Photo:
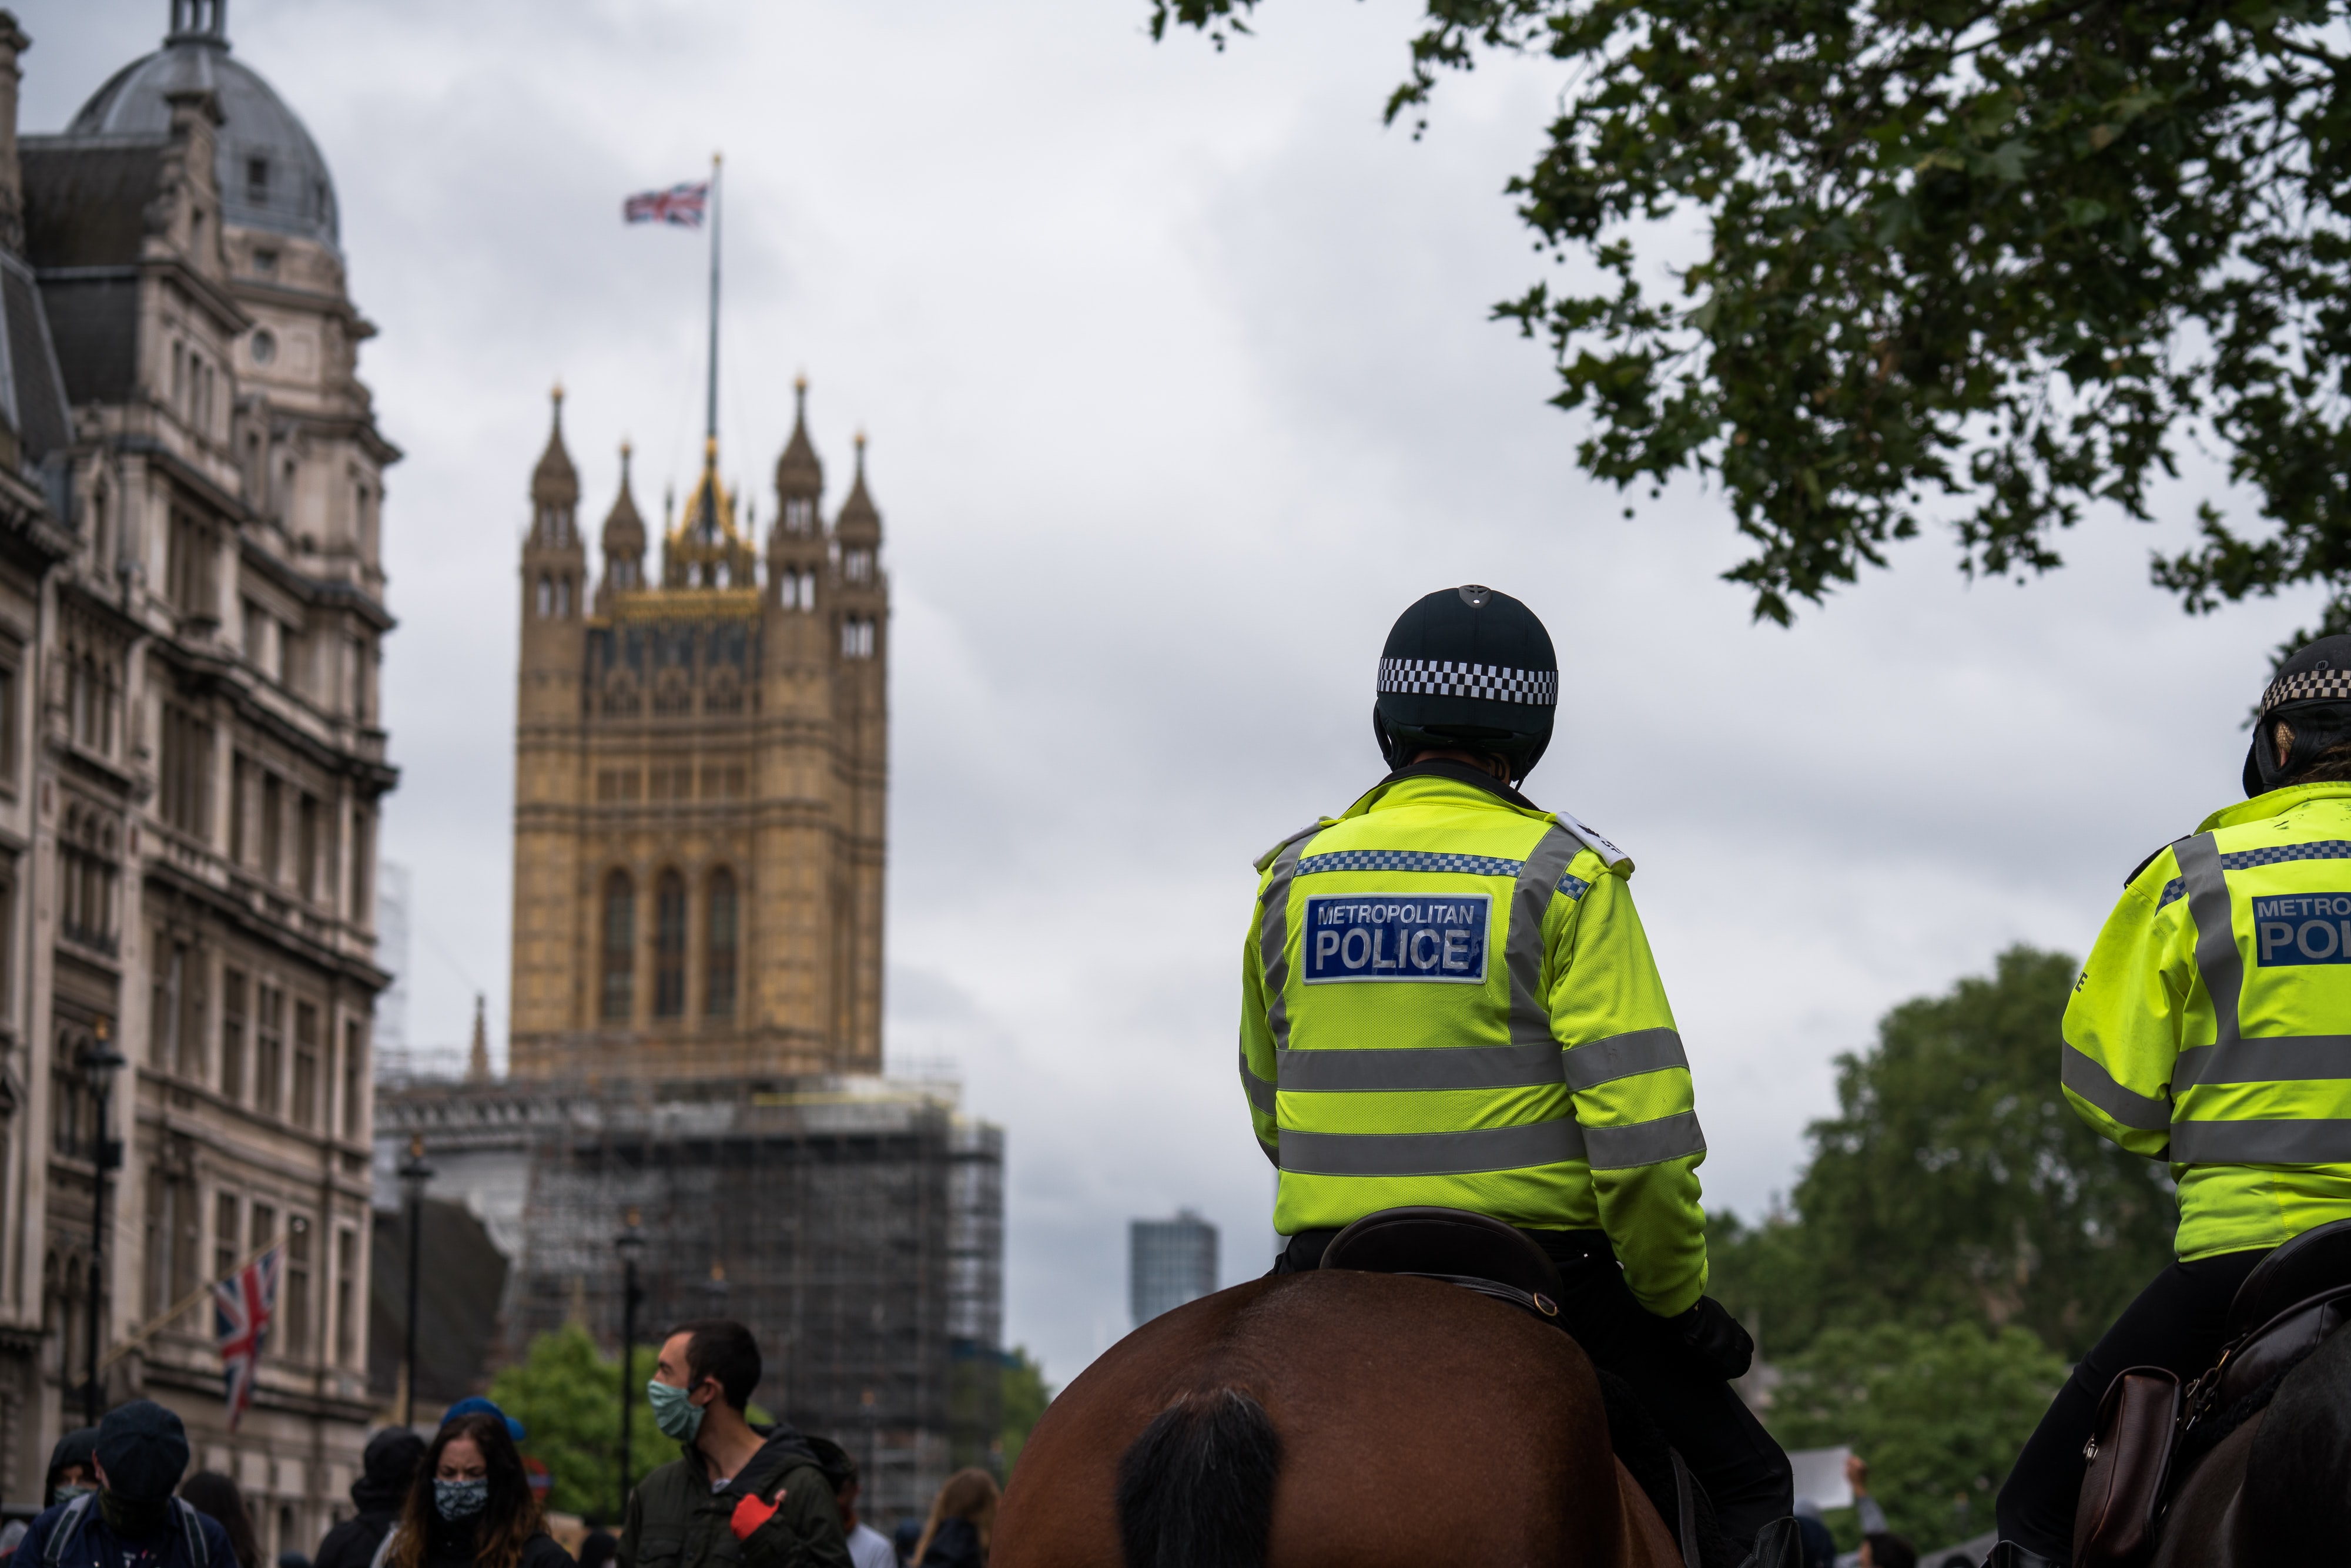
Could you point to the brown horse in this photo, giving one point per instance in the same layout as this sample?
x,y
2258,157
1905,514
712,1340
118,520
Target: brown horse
x,y
2277,1489
1331,1418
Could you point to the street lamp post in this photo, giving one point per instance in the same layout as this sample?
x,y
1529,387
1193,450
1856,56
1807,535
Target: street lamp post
x,y
630,1245
414,1176
99,1062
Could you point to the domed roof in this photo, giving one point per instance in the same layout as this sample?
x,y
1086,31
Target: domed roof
x,y
271,176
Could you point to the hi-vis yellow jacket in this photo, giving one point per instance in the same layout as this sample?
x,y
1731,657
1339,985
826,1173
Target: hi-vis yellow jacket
x,y
2212,1025
1448,1000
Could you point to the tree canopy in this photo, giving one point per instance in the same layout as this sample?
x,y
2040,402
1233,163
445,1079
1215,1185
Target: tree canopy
x,y
1955,1185
1992,262
1940,1413
567,1394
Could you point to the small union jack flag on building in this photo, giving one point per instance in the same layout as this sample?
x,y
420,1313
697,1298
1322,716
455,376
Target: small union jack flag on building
x,y
680,204
243,1306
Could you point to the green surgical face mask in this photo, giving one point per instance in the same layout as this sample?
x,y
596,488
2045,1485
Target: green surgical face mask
x,y
674,1411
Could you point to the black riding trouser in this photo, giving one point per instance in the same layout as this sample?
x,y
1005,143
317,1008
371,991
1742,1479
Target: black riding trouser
x,y
1744,1472
2175,1323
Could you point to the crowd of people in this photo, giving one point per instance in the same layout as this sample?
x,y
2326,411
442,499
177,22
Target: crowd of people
x,y
738,1496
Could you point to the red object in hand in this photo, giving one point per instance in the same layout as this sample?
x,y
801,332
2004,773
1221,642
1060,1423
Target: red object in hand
x,y
751,1513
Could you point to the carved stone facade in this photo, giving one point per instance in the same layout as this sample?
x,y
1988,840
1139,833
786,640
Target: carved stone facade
x,y
190,762
701,772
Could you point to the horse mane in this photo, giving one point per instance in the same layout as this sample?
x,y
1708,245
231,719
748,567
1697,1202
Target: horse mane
x,y
2293,1502
1195,1490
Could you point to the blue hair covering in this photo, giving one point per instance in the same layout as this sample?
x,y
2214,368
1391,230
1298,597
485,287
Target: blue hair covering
x,y
477,1405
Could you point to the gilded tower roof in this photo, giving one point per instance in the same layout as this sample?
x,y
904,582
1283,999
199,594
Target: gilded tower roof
x,y
706,550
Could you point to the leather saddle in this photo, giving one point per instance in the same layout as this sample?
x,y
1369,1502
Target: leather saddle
x,y
1490,1258
1471,1251
2290,1304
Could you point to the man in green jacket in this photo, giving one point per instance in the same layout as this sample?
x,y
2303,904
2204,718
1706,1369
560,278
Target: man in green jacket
x,y
740,1496
1448,1000
2208,1031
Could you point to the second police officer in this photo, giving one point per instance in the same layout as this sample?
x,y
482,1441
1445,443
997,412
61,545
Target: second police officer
x,y
1448,1000
2206,1030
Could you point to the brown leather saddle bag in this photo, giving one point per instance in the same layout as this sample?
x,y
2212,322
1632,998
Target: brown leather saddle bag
x,y
2288,1305
2130,1465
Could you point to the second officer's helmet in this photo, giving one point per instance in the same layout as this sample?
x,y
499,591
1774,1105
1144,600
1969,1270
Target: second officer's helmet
x,y
2310,694
1468,668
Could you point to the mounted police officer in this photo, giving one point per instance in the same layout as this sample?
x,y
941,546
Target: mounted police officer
x,y
1447,999
2208,1030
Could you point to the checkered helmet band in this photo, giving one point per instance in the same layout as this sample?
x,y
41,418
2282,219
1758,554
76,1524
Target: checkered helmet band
x,y
1456,678
2307,686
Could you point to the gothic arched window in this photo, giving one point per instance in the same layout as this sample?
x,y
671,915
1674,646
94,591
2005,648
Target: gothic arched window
x,y
619,947
546,598
718,969
669,945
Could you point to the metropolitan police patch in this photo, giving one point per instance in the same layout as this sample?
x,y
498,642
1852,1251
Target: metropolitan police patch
x,y
1397,936
2303,928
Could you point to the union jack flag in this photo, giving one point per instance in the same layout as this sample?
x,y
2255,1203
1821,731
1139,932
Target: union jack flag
x,y
680,204
243,1306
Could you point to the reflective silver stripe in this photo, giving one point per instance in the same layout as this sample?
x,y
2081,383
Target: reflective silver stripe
x,y
1621,1056
1273,939
1260,1092
1431,1154
2282,1058
1538,884
1429,1067
2093,1082
1644,1142
2218,957
2306,1143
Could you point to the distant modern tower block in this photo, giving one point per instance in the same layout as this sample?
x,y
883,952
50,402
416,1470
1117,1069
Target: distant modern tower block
x,y
1169,1262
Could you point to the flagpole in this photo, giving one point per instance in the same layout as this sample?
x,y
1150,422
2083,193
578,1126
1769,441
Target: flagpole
x,y
182,1305
710,419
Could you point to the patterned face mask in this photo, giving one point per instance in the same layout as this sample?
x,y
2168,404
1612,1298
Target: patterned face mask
x,y
461,1500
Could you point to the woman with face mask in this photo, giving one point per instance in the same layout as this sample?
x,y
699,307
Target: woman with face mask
x,y
471,1506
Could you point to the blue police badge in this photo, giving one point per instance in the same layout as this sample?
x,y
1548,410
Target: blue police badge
x,y
1397,936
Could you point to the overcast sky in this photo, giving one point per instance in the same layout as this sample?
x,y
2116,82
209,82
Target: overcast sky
x,y
1180,386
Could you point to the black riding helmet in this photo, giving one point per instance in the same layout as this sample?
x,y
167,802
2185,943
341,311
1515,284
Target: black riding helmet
x,y
1471,668
2311,692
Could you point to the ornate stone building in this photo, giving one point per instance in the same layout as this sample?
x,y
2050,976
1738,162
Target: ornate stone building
x,y
700,776
191,760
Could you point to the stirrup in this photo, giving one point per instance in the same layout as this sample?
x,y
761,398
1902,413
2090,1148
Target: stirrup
x,y
1778,1545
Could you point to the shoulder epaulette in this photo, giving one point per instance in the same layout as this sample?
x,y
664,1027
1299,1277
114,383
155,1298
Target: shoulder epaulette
x,y
1267,859
2151,858
1617,859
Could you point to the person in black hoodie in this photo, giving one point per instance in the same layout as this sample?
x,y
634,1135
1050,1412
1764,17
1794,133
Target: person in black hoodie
x,y
387,1473
470,1505
738,1496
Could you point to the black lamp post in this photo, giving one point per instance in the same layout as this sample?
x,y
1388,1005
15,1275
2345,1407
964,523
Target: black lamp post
x,y
630,1245
99,1062
414,1176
